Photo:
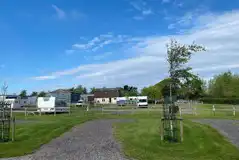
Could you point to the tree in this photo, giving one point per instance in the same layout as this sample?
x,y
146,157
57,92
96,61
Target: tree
x,y
34,94
224,85
178,57
92,90
23,93
128,91
80,90
42,94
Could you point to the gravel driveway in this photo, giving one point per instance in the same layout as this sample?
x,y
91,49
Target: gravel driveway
x,y
90,141
228,128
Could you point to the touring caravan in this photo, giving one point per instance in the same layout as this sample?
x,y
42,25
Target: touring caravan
x,y
51,105
142,101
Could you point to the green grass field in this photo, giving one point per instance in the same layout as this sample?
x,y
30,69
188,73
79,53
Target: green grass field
x,y
140,139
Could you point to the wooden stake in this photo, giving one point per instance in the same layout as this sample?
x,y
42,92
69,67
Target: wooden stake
x,y
161,130
13,128
181,129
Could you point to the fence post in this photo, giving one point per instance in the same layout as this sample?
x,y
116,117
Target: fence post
x,y
25,112
180,111
234,111
102,109
69,110
40,111
181,129
13,128
162,131
55,112
214,110
195,111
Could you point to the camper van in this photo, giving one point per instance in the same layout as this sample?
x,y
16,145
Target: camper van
x,y
142,101
51,105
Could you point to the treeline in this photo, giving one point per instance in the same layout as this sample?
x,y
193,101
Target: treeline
x,y
221,89
126,90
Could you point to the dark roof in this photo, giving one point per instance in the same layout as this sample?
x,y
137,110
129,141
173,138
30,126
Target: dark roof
x,y
106,93
61,91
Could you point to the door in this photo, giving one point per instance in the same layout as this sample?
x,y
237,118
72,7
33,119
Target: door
x,y
110,100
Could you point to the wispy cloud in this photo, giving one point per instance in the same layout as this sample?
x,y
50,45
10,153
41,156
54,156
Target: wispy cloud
x,y
59,12
148,65
142,7
102,56
72,14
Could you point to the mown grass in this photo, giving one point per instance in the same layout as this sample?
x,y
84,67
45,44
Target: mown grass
x,y
141,140
40,130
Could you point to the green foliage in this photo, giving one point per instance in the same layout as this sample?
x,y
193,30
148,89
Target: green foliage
x,y
34,94
80,90
178,57
127,91
23,93
210,100
92,90
224,85
42,94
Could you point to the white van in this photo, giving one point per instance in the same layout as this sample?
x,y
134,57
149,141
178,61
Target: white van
x,y
142,101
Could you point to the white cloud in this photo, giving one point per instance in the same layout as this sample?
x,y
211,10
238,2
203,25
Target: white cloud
x,y
72,14
44,78
142,7
219,33
59,12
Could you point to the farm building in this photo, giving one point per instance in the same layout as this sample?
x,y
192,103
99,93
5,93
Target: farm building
x,y
106,95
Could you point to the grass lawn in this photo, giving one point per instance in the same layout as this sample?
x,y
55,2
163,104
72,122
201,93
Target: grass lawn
x,y
30,136
141,140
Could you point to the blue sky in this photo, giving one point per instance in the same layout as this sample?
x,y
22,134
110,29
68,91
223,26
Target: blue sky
x,y
51,44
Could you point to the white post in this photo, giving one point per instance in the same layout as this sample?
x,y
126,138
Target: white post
x,y
55,112
195,111
234,111
180,111
25,112
213,109
87,108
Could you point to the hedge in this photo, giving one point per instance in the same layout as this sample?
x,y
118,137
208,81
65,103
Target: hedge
x,y
210,100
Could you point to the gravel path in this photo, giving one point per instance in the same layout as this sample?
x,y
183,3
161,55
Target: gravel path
x,y
228,128
90,141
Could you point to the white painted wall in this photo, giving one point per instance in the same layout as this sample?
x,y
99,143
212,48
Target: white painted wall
x,y
106,100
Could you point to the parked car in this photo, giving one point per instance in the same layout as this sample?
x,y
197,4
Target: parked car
x,y
80,103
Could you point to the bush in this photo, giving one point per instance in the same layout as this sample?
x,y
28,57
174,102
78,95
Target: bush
x,y
210,100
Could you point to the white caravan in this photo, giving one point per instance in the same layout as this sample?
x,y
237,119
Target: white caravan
x,y
142,101
51,105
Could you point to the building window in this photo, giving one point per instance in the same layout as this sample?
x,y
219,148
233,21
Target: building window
x,y
114,98
16,101
103,100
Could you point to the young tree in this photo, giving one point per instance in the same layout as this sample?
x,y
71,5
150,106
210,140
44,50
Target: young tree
x,y
23,93
178,57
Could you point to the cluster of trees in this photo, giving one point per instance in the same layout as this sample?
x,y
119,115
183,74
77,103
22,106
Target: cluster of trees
x,y
127,91
224,85
23,93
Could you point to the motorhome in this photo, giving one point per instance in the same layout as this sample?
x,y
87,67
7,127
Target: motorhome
x,y
51,105
121,101
142,101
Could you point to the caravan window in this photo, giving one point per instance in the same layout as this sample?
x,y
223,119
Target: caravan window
x,y
142,100
46,98
16,101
